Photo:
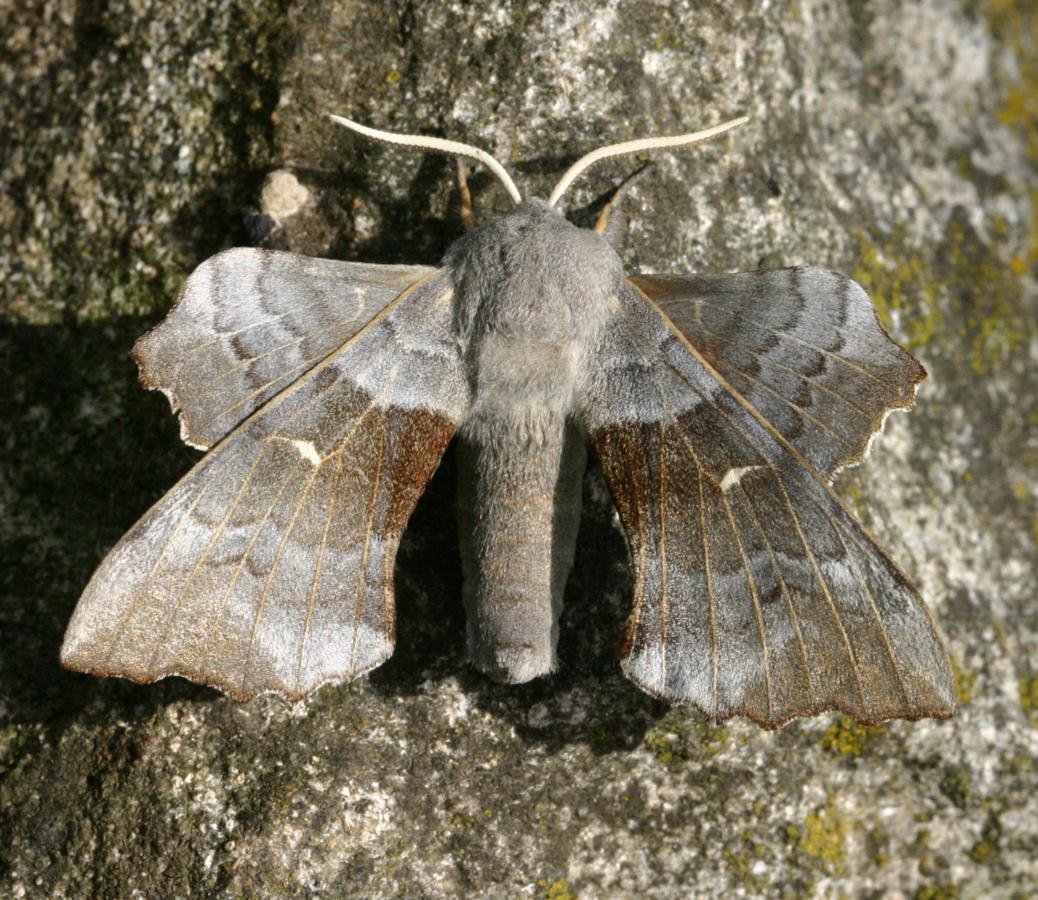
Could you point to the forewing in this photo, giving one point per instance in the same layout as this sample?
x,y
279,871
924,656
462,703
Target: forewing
x,y
803,346
269,567
755,592
250,322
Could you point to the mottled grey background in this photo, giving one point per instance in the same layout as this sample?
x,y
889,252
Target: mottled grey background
x,y
897,142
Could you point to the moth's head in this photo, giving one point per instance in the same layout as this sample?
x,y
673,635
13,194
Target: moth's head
x,y
532,251
454,148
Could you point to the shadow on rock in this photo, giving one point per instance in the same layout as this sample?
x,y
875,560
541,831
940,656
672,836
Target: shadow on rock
x,y
86,453
588,700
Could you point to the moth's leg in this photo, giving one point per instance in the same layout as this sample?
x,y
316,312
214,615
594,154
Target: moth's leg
x,y
467,217
611,227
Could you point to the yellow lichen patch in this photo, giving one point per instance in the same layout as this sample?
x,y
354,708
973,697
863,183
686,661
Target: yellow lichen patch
x,y
741,855
676,739
1014,24
1022,493
851,488
823,838
1029,697
463,820
556,890
961,285
877,843
964,680
902,286
956,784
1032,242
936,892
986,849
849,738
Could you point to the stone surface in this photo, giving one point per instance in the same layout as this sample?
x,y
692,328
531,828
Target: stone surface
x,y
895,141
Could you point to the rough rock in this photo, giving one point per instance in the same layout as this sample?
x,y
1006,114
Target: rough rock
x,y
897,142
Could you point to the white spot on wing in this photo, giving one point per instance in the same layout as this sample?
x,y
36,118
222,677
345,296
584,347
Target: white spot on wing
x,y
733,476
307,450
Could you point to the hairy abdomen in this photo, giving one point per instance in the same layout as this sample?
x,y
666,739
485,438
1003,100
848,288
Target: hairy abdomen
x,y
519,509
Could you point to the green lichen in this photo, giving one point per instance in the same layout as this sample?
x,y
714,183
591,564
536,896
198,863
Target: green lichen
x,y
556,890
964,681
957,785
877,842
677,739
744,851
849,738
1014,25
1022,491
462,820
903,289
852,489
940,891
959,292
822,839
1029,696
985,850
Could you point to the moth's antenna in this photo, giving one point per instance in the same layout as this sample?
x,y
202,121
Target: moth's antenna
x,y
637,146
439,144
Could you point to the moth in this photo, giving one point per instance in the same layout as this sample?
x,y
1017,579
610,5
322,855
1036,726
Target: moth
x,y
719,407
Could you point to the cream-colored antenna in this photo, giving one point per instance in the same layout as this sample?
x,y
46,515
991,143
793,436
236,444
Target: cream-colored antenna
x,y
439,144
637,146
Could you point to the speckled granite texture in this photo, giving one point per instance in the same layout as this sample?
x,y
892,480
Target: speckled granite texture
x,y
897,142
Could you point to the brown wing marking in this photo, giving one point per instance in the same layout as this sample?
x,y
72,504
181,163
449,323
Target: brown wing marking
x,y
269,567
803,346
249,322
813,547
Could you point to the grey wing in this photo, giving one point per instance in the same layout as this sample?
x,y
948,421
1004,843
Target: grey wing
x,y
250,322
755,592
803,345
269,567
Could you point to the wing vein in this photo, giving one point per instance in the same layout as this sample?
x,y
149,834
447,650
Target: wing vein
x,y
225,597
262,602
312,365
794,617
312,599
823,584
785,335
217,534
817,422
224,373
635,330
712,602
638,600
887,644
664,580
134,605
758,609
292,417
811,381
362,573
270,320
308,365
